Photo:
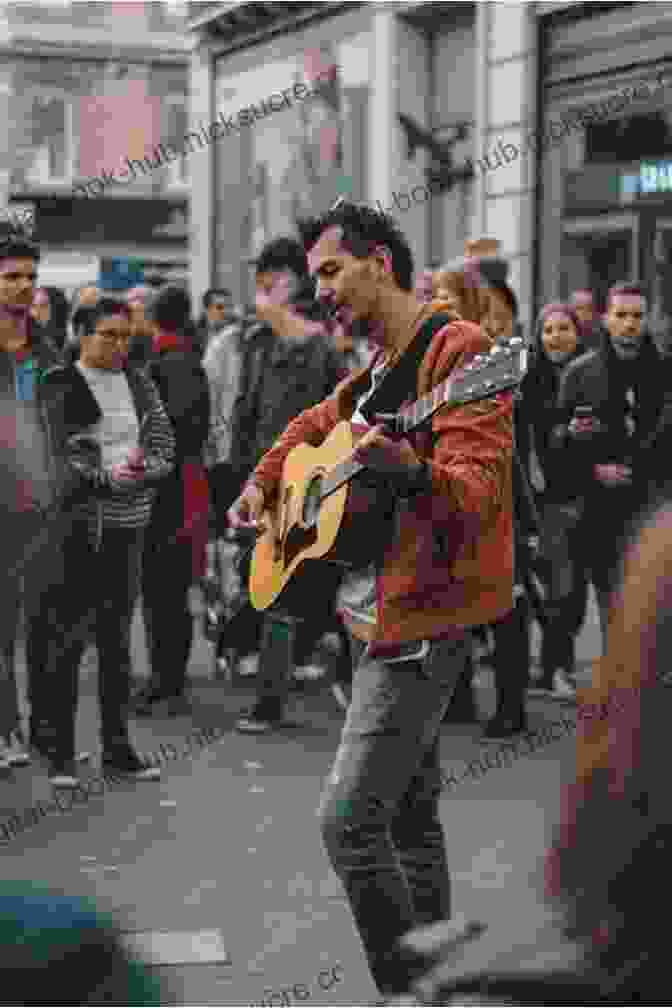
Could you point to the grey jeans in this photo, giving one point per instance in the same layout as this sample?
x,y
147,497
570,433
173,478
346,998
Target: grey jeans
x,y
379,809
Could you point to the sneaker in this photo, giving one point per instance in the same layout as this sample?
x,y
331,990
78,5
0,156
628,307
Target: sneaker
x,y
14,751
564,687
501,728
308,672
544,692
125,762
257,722
63,774
248,666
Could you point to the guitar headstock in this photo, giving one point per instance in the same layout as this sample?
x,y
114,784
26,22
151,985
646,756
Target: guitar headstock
x,y
487,374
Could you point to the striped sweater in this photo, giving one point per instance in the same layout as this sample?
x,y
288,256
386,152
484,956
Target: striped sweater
x,y
93,491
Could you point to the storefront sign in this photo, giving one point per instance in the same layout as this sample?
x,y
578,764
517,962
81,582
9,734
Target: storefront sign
x,y
127,222
656,177
602,186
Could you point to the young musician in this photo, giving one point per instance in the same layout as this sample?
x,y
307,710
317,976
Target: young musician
x,y
447,566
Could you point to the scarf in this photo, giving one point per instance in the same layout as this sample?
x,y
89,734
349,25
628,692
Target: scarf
x,y
196,505
195,496
164,341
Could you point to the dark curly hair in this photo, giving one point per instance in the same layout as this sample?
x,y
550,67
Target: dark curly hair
x,y
171,311
363,229
283,253
105,306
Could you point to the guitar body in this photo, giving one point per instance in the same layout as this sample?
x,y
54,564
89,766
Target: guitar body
x,y
347,529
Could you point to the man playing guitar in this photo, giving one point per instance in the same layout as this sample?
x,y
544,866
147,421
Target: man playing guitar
x,y
447,566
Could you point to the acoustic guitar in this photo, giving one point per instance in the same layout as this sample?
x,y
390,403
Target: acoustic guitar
x,y
322,513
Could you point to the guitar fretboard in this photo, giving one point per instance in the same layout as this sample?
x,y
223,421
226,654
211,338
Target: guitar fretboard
x,y
501,370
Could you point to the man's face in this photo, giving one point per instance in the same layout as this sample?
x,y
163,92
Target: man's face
x,y
275,287
584,307
345,282
218,311
107,347
625,319
17,282
559,337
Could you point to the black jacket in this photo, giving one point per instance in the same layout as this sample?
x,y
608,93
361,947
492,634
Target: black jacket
x,y
278,381
184,391
75,409
32,547
537,417
599,379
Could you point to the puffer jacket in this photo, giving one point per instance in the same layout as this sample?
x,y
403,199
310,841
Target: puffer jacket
x,y
451,561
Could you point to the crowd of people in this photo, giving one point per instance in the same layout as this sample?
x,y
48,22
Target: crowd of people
x,y
154,435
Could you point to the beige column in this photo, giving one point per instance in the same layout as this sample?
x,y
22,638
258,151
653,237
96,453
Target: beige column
x,y
201,173
383,107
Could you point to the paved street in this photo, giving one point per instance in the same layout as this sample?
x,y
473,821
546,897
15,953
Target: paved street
x,y
229,840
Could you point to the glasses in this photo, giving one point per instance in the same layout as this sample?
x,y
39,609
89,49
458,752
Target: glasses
x,y
109,337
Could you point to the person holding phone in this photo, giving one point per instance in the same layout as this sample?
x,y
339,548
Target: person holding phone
x,y
611,400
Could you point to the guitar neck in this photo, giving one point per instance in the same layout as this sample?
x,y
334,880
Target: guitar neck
x,y
408,419
500,371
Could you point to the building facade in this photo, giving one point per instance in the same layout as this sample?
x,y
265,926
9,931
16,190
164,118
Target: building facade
x,y
605,195
560,108
89,88
380,64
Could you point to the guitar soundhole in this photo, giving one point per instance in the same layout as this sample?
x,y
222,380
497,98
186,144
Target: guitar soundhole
x,y
311,501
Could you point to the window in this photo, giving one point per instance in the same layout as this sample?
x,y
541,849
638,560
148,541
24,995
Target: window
x,y
51,138
636,138
173,132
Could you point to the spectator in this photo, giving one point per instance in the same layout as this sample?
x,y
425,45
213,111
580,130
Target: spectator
x,y
557,343
289,365
26,353
142,331
85,299
222,363
116,439
511,656
177,534
590,326
51,308
217,314
621,385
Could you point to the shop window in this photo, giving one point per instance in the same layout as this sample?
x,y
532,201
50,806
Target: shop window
x,y
51,139
636,138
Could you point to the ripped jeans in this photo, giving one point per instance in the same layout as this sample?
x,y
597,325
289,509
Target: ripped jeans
x,y
379,809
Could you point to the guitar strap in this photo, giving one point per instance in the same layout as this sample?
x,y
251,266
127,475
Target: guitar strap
x,y
400,384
